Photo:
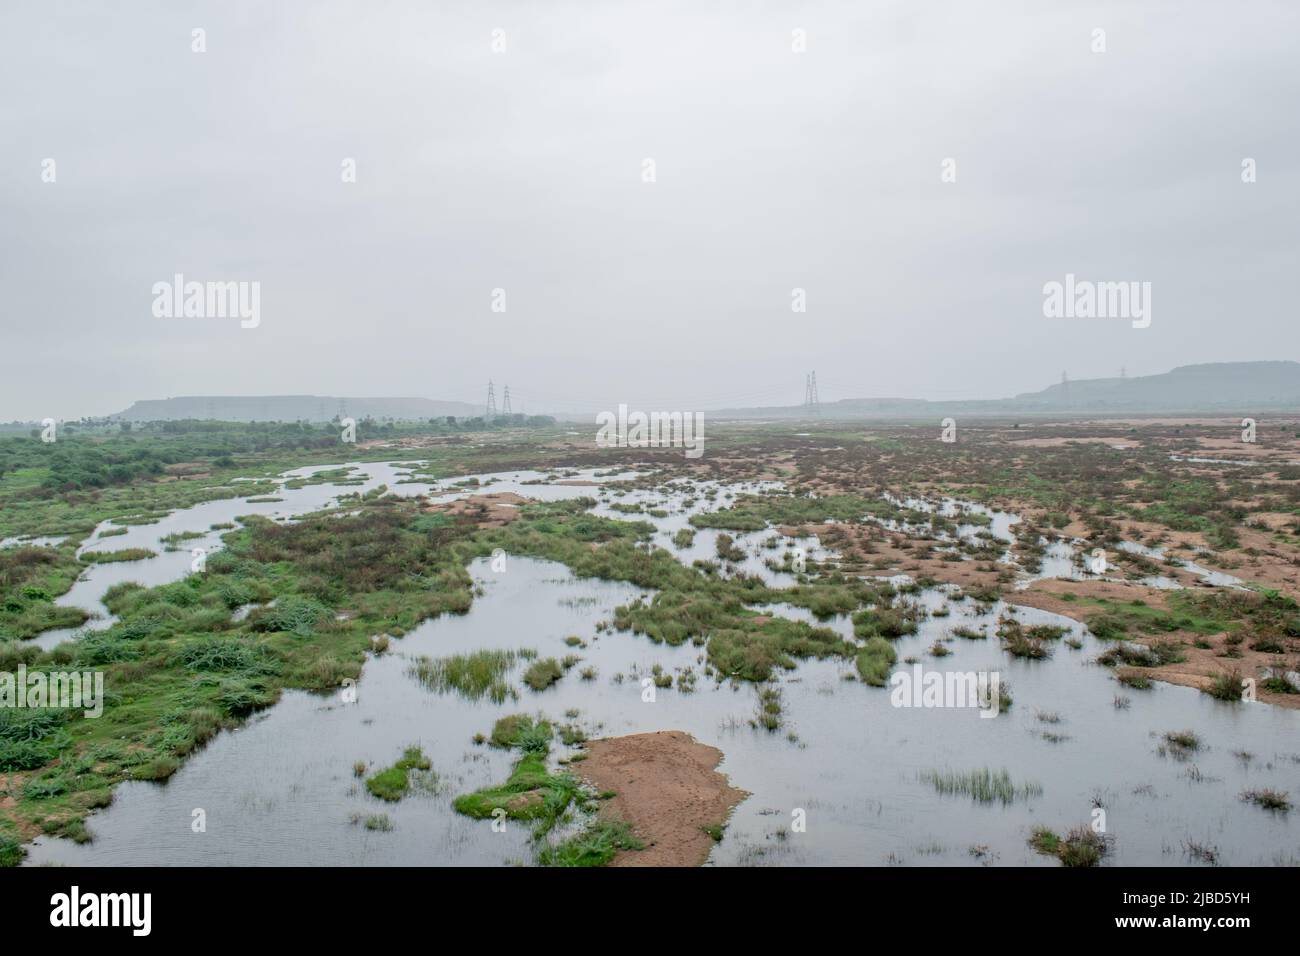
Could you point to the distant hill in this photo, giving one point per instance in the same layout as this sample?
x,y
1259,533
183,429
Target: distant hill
x,y
1222,387
1189,387
1218,387
292,408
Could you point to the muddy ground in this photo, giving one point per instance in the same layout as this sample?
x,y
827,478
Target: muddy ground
x,y
668,791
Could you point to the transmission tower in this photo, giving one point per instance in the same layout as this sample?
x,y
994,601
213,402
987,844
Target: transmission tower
x,y
810,400
492,401
505,402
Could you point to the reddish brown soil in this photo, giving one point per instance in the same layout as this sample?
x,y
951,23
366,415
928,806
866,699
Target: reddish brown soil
x,y
488,511
668,791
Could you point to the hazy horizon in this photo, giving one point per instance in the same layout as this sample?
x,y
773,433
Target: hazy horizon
x,y
522,170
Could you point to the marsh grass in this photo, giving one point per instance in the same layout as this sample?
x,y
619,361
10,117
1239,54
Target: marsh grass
x,y
11,851
1182,741
768,710
594,846
515,729
1134,679
227,654
292,614
874,661
124,554
531,792
474,676
983,785
1226,685
726,549
30,738
1081,847
1203,852
890,622
1276,800
542,673
1021,642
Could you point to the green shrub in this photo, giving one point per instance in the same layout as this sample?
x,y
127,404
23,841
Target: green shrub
x,y
875,660
11,851
541,674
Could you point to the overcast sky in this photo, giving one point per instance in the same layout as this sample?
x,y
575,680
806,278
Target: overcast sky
x,y
523,170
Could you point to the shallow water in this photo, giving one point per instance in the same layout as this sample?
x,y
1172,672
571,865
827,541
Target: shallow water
x,y
281,790
89,589
34,541
704,545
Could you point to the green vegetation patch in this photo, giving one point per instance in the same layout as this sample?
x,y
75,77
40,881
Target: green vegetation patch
x,y
887,621
178,668
394,782
473,676
594,846
30,579
1267,614
690,603
756,512
124,554
541,674
531,792
1081,847
875,660
535,795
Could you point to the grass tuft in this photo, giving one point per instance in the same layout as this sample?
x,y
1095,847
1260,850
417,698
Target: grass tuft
x,y
983,785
